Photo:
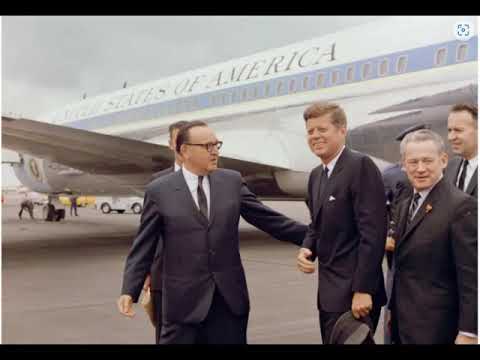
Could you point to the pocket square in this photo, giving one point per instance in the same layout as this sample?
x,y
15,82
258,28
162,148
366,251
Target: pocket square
x,y
331,198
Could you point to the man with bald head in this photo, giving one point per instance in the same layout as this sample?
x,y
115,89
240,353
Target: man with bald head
x,y
191,220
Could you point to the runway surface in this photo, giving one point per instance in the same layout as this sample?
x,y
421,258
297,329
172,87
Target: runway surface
x,y
61,281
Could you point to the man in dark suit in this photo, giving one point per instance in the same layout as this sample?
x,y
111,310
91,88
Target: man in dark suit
x,y
462,135
434,294
191,220
154,279
349,223
397,188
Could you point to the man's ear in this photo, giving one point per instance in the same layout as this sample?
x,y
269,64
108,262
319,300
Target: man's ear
x,y
183,150
444,160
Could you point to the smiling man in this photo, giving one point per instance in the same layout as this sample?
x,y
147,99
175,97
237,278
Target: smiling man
x,y
191,221
434,295
349,223
462,135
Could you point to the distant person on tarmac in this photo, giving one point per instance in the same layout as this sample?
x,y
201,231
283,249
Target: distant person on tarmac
x,y
26,204
73,205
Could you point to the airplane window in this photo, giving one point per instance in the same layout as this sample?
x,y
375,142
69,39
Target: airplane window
x,y
402,64
320,80
366,70
350,73
305,82
293,86
441,57
462,51
335,76
383,68
279,87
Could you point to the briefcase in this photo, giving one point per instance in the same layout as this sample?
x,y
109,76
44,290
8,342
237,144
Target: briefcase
x,y
147,305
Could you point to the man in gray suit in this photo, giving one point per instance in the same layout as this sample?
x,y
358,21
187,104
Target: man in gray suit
x,y
154,281
434,293
191,220
462,135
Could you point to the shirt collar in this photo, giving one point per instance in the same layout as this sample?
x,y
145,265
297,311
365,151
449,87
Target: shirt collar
x,y
176,167
190,178
333,162
473,162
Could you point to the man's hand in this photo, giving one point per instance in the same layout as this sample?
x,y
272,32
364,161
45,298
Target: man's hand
x,y
125,305
361,304
466,340
147,282
390,244
303,263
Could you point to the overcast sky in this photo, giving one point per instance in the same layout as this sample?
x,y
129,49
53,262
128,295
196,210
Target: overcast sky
x,y
48,62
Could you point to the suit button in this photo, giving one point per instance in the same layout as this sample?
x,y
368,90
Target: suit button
x,y
211,252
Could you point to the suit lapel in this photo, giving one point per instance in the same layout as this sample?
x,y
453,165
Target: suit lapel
x,y
328,188
422,212
473,183
403,215
214,188
181,186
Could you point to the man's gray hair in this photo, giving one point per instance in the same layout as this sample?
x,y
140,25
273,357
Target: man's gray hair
x,y
421,136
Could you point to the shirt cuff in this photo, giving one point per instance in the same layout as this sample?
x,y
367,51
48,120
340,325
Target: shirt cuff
x,y
467,334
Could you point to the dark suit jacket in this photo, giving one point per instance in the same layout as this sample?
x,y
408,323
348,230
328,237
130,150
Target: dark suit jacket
x,y
347,234
156,270
435,281
451,174
199,256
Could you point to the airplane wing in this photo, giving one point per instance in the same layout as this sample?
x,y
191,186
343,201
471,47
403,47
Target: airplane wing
x,y
97,153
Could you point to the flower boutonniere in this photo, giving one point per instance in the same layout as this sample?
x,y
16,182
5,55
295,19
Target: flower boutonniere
x,y
428,208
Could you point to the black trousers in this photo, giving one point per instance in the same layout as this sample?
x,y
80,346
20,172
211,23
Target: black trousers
x,y
328,320
29,209
220,326
157,310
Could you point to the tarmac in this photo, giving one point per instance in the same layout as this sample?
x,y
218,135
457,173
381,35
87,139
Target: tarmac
x,y
60,281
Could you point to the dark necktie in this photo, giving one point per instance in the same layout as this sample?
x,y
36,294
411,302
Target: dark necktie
x,y
323,181
463,174
202,199
413,207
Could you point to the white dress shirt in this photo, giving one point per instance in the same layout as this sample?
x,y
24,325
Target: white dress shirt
x,y
192,182
472,166
176,167
331,165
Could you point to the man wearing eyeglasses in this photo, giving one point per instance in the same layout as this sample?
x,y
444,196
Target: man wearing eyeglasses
x,y
192,216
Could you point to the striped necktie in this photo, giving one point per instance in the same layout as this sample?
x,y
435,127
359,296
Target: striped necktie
x,y
202,199
413,207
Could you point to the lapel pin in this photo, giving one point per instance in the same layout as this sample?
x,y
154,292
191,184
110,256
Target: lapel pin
x,y
331,198
428,208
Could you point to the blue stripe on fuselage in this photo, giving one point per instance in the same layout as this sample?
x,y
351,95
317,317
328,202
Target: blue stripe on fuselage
x,y
418,59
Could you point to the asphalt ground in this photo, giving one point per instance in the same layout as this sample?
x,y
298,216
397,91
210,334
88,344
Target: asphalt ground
x,y
60,281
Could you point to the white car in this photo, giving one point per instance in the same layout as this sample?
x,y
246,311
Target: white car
x,y
120,204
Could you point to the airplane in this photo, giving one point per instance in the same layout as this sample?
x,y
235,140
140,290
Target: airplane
x,y
387,75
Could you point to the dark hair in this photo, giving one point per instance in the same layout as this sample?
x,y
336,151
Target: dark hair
x,y
472,109
339,119
183,135
176,126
